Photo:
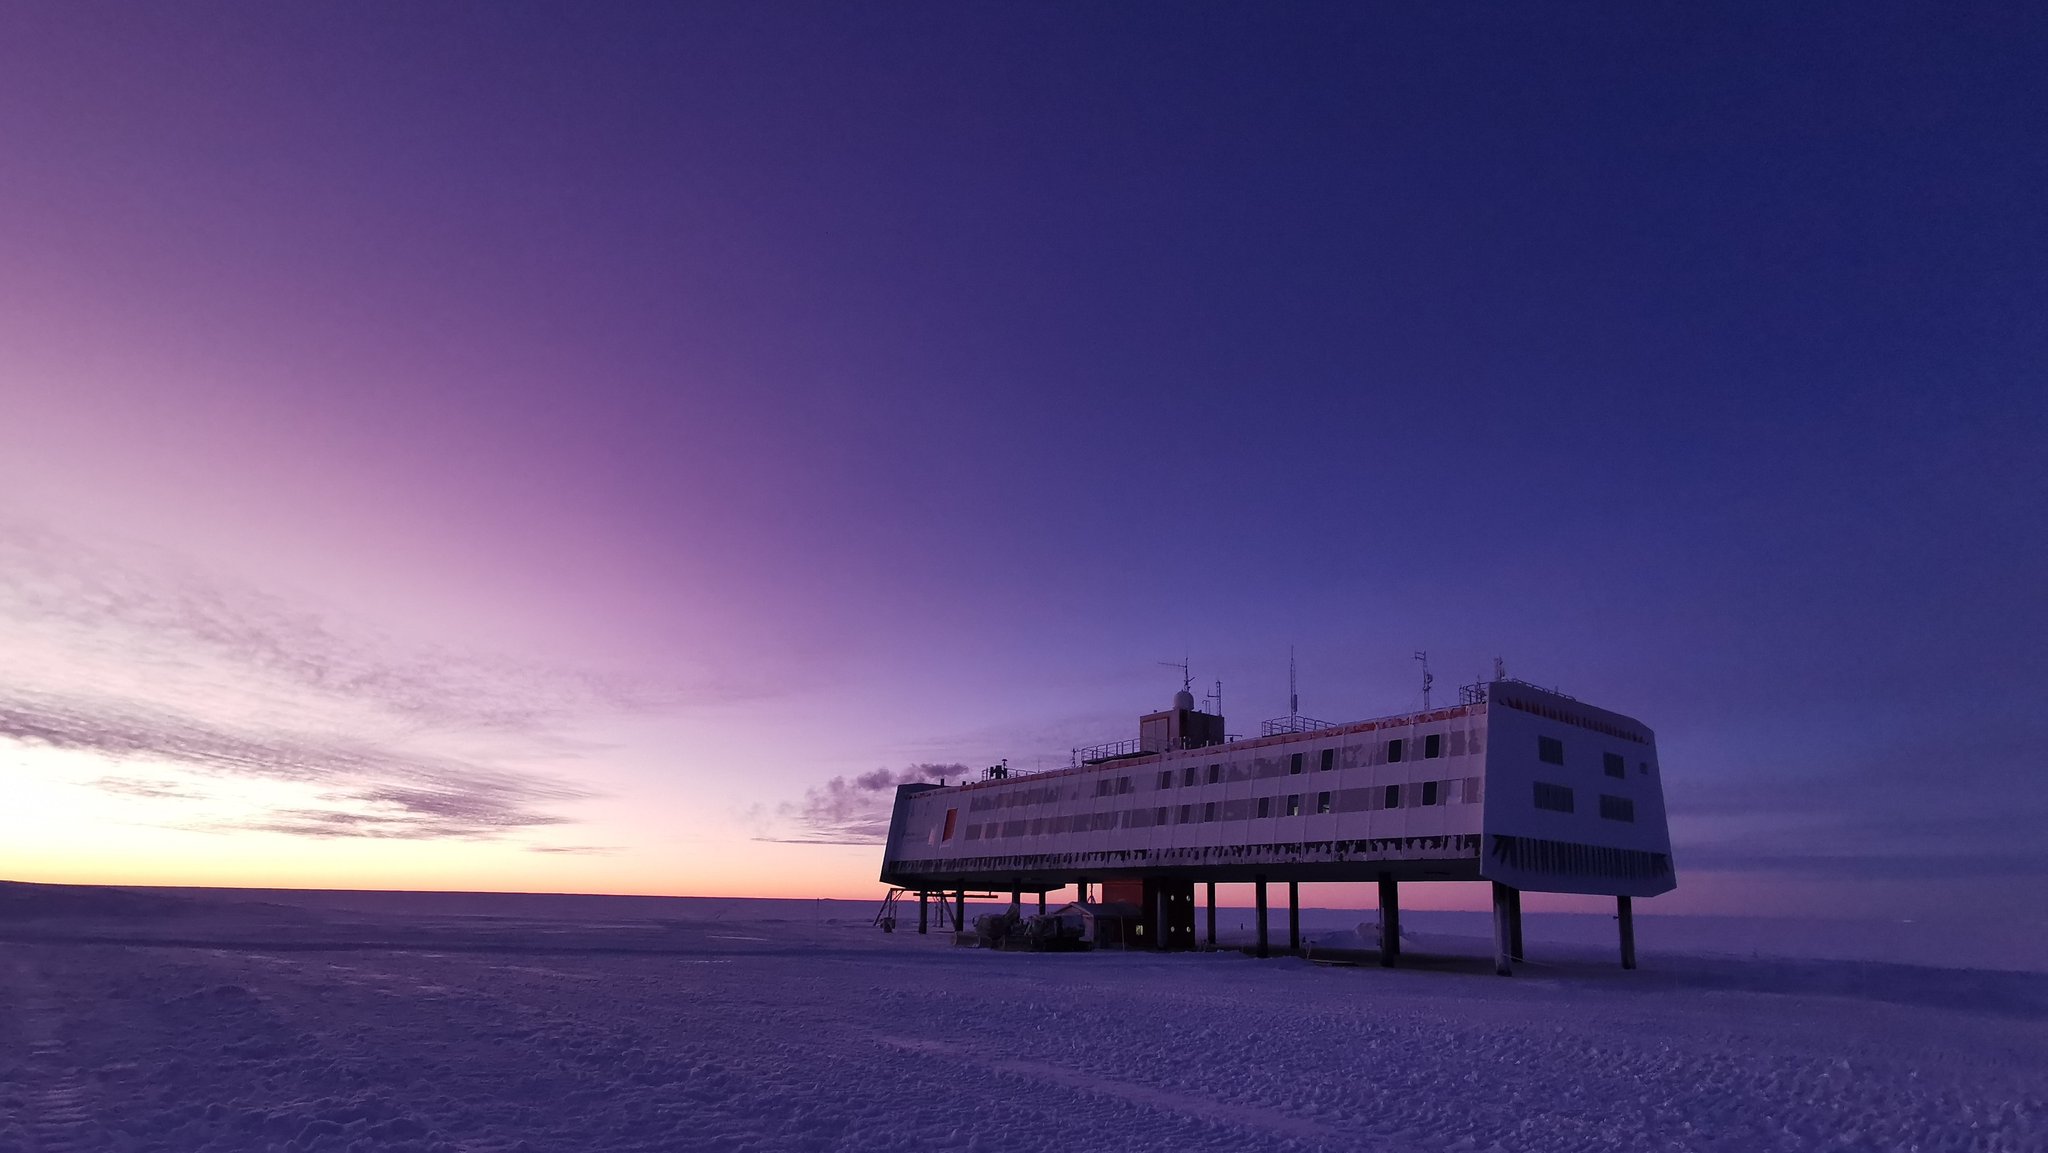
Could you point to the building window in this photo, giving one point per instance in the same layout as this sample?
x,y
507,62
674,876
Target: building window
x,y
1550,750
1555,798
1615,766
1215,773
1166,779
1159,815
1394,749
1294,804
1393,797
1617,808
1329,759
1429,792
1294,765
1187,775
1322,802
1432,746
1265,806
1209,811
1123,785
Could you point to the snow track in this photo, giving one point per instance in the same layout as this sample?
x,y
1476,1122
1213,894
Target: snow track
x,y
775,1037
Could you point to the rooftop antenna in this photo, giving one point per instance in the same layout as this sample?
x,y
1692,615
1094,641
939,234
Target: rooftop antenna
x,y
1187,682
1293,696
1217,697
1427,679
1500,669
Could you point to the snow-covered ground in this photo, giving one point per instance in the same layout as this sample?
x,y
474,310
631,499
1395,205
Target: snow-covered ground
x,y
143,1020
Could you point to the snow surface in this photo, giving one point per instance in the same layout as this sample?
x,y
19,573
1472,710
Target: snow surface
x,y
138,1020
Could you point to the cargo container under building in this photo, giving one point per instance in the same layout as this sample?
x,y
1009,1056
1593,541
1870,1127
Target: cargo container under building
x,y
1516,785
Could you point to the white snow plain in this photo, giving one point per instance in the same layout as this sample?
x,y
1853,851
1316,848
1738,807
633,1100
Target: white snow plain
x,y
150,1020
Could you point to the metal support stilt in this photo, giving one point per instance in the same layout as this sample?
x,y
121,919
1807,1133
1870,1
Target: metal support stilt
x,y
923,912
1017,898
1259,889
1501,964
1041,902
1515,924
1390,920
1624,910
959,910
1212,913
1294,917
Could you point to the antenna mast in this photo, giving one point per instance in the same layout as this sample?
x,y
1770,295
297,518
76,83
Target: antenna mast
x,y
1187,682
1293,693
1427,678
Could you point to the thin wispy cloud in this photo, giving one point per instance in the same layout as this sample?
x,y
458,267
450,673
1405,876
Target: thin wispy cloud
x,y
138,659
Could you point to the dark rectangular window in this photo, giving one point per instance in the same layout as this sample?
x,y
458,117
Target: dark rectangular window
x,y
1166,779
1393,797
1215,773
1394,749
1329,759
1186,813
1550,750
1209,811
1555,798
1159,815
1123,785
1187,775
1617,808
1294,805
1615,766
1322,802
1294,764
1429,793
1432,746
1265,806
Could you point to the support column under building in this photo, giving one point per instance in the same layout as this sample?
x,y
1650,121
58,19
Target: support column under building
x,y
959,910
1017,898
1501,964
1624,911
923,912
1259,899
1212,914
1041,902
1390,920
1515,924
1294,917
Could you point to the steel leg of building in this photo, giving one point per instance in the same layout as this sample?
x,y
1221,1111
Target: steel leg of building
x,y
1212,914
959,910
1515,924
1501,964
1017,899
1041,902
1159,919
1625,910
923,913
1259,891
1294,917
1390,920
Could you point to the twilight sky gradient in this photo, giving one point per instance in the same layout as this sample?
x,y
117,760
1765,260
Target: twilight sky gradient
x,y
541,446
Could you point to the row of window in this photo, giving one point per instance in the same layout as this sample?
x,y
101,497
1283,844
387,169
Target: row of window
x,y
1296,852
1558,799
1550,751
1414,794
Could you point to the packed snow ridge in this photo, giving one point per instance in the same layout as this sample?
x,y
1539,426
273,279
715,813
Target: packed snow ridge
x,y
145,1021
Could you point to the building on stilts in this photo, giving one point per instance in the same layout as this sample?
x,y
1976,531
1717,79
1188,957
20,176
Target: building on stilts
x,y
1516,785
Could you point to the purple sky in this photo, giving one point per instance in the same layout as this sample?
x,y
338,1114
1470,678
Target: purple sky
x,y
543,447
